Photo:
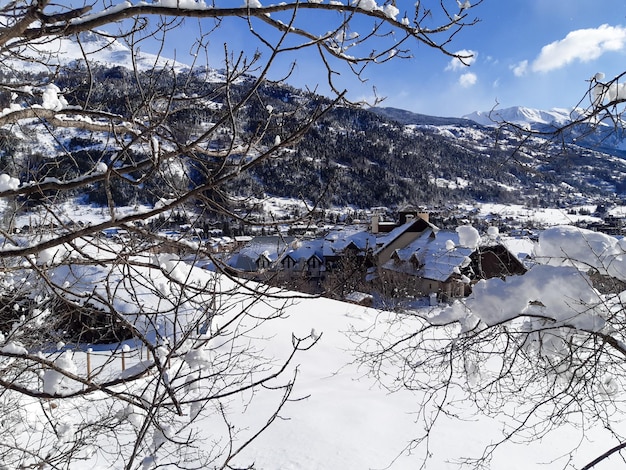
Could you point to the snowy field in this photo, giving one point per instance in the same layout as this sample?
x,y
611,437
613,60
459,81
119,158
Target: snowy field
x,y
284,208
341,419
338,417
349,422
540,216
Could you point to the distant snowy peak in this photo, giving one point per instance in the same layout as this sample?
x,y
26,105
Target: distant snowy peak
x,y
98,49
521,116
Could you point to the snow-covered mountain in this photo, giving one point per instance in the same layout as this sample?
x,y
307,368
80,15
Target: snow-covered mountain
x,y
99,49
603,136
521,115
371,159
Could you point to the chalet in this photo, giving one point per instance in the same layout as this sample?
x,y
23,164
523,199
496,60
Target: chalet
x,y
610,225
346,244
428,261
406,214
402,235
304,259
436,264
495,260
259,256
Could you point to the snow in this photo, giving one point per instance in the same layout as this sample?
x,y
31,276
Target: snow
x,y
340,417
521,115
469,237
391,11
367,5
186,4
348,421
584,249
565,293
537,217
493,232
8,183
437,254
558,286
98,49
51,255
13,348
51,98
53,380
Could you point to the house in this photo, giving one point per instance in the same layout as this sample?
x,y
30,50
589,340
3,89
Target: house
x,y
259,256
402,235
303,259
610,225
342,244
406,214
495,260
435,263
415,253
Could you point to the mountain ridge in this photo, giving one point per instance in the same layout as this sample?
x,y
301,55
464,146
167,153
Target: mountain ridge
x,y
523,115
353,156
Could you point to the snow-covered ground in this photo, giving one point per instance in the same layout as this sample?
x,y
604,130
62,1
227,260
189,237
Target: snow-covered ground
x,y
338,416
349,422
342,419
537,216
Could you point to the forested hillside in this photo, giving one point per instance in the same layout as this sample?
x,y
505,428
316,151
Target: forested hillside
x,y
350,156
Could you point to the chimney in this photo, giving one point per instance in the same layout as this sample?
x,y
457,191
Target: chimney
x,y
374,227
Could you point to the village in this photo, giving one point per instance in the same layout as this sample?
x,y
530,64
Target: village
x,y
377,260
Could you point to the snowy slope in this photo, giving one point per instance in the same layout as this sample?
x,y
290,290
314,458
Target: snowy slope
x,y
339,417
521,115
349,422
603,136
99,49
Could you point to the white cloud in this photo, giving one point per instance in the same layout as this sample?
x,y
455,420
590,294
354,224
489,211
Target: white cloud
x,y
468,79
468,58
583,45
520,69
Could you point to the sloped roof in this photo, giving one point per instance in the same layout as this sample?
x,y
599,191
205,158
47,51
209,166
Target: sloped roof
x,y
271,247
305,250
438,254
338,240
414,225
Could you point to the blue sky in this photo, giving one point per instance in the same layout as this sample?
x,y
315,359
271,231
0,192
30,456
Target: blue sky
x,y
534,53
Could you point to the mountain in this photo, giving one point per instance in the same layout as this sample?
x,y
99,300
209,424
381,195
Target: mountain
x,y
100,49
407,117
520,115
517,115
352,156
605,136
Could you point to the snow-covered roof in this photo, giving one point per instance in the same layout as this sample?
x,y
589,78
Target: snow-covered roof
x,y
384,240
305,250
338,240
434,255
271,248
522,248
